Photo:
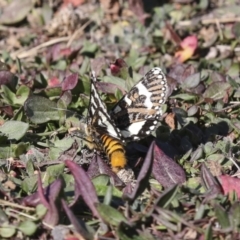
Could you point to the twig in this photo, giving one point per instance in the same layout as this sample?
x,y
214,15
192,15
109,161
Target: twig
x,y
229,107
220,20
205,21
78,33
15,205
34,51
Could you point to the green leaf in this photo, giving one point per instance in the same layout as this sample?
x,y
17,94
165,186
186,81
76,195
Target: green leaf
x,y
102,179
20,148
3,216
167,197
115,80
60,65
7,231
40,109
203,4
14,129
110,215
222,216
6,152
208,233
27,227
30,167
21,95
89,47
101,190
41,210
55,170
235,216
59,147
216,157
185,96
29,184
8,95
15,11
217,90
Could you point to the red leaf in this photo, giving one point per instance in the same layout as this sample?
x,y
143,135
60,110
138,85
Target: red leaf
x,y
75,3
84,186
230,184
165,170
70,82
47,197
53,82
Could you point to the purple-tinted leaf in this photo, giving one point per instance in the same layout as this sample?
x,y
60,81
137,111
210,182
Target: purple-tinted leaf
x,y
84,186
210,183
218,77
7,78
176,71
199,89
58,51
8,110
78,224
188,71
47,197
98,166
65,99
191,81
181,72
165,170
50,192
143,177
70,82
192,110
127,191
197,154
172,85
174,37
97,64
108,87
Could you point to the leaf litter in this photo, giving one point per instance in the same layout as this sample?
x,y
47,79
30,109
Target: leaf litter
x,y
181,182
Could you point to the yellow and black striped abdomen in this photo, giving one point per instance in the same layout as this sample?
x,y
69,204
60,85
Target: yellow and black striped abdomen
x,y
114,151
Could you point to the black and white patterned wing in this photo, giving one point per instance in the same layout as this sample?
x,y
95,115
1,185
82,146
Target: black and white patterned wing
x,y
98,117
137,113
